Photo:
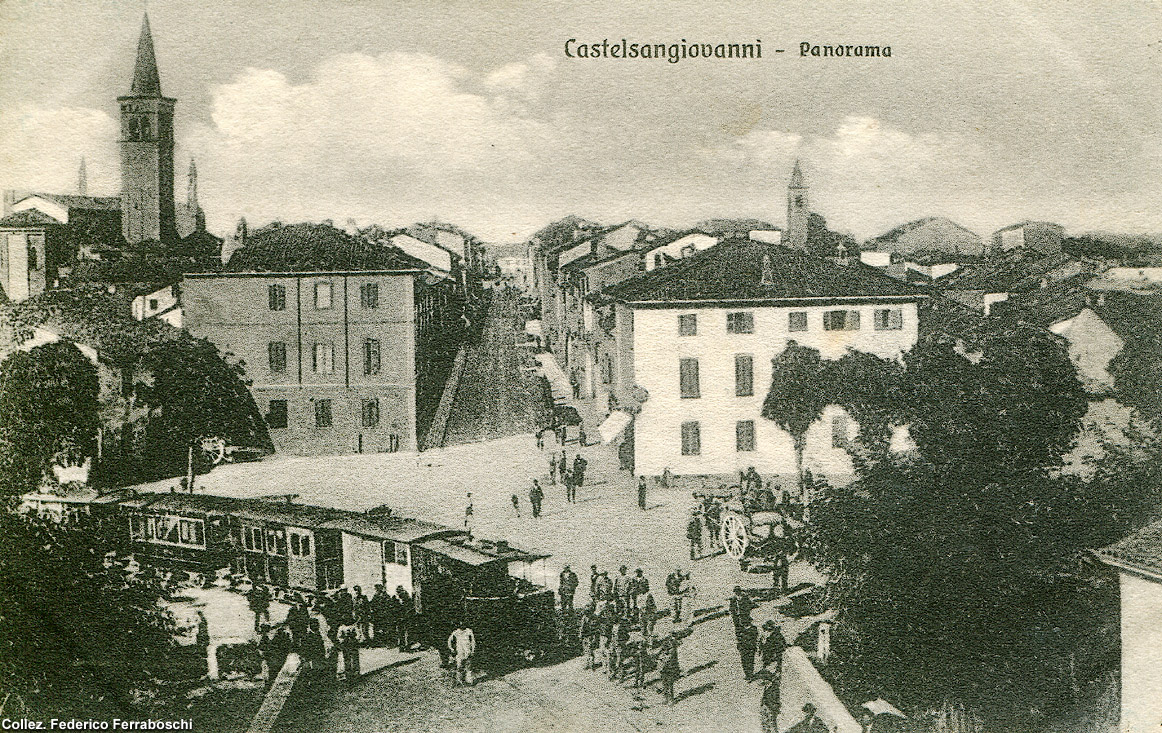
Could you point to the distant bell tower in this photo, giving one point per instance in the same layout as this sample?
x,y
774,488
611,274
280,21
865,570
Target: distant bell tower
x,y
147,203
82,180
798,211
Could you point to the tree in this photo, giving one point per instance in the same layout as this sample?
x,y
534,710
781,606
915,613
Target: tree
x,y
822,242
799,391
48,401
956,566
871,390
75,639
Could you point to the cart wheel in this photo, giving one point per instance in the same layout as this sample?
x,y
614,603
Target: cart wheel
x,y
734,537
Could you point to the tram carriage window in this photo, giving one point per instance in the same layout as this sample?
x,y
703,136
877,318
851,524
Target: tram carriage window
x,y
276,541
252,538
300,545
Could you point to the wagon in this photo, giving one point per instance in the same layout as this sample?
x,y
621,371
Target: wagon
x,y
752,533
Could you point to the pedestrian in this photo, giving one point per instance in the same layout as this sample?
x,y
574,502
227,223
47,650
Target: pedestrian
x,y
562,464
621,590
541,439
380,615
781,572
639,585
362,608
579,464
747,641
649,616
298,620
641,493
349,645
259,600
605,589
675,582
516,505
568,485
536,496
667,477
313,650
771,646
671,670
618,641
593,576
407,616
462,644
344,608
694,535
278,649
566,587
553,469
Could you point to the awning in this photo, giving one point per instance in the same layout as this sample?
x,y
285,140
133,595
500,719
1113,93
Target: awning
x,y
533,328
614,425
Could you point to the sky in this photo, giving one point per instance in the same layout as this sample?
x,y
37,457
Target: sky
x,y
988,112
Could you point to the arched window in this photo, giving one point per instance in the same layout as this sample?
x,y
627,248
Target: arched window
x,y
33,259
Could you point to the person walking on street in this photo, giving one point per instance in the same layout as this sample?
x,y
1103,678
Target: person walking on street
x,y
671,670
588,632
579,465
771,646
593,576
553,469
641,493
568,485
566,587
349,644
468,512
649,616
604,588
694,534
516,505
782,572
462,644
380,615
675,588
407,615
362,608
562,464
741,607
621,590
769,712
638,587
536,496
259,600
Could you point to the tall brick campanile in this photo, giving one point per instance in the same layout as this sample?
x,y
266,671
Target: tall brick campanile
x,y
147,147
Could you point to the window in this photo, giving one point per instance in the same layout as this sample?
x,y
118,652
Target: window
x,y
396,552
743,375
889,319
370,413
797,321
276,414
300,544
393,443
369,295
371,356
276,351
276,297
691,439
657,259
275,542
839,431
322,296
153,304
252,538
688,378
740,322
322,413
688,325
323,358
744,435
841,321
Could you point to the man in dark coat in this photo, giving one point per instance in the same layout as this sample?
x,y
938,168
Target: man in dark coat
x,y
407,615
641,493
771,646
298,620
379,615
259,600
671,670
741,607
536,496
694,535
747,641
566,587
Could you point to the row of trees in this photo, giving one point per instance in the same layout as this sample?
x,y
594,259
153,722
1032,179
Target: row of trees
x,y
956,566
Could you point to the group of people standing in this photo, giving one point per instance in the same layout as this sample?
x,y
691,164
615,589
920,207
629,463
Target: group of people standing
x,y
764,646
571,477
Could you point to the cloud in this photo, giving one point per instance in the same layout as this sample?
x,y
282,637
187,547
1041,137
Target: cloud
x,y
41,148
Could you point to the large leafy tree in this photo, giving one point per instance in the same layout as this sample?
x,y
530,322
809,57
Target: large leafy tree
x,y
48,402
800,389
75,639
955,567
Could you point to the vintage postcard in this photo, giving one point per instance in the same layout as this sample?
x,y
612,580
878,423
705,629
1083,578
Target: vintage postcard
x,y
435,367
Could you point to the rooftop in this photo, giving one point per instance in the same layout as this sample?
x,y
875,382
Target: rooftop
x,y
733,271
1141,552
1019,268
28,218
72,201
316,248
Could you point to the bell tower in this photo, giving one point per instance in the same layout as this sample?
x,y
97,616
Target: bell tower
x,y
798,211
147,147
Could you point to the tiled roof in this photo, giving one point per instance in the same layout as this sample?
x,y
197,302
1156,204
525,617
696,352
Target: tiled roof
x,y
733,271
316,248
100,203
1141,551
27,218
1017,269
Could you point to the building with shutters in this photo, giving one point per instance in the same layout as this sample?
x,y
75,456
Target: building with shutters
x,y
350,360
696,340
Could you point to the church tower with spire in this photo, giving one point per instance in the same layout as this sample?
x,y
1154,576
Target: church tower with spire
x,y
798,211
191,218
147,148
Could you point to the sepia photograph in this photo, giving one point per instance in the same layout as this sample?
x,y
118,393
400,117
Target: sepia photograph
x,y
373,366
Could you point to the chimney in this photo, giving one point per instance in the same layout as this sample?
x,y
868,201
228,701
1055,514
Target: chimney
x,y
768,276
